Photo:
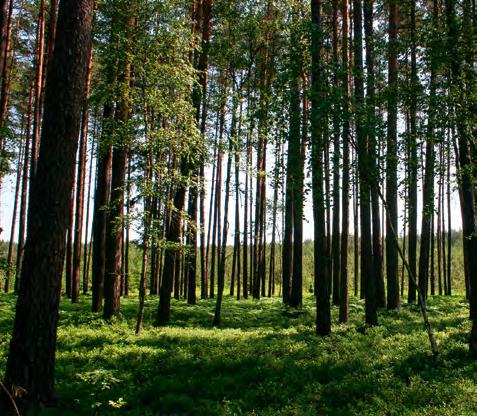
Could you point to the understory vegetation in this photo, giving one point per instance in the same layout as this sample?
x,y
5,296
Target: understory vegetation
x,y
265,360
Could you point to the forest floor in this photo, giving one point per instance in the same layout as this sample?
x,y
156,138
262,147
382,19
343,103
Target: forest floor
x,y
264,360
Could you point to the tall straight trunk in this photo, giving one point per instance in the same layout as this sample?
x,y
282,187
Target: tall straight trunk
x,y
213,227
102,198
237,247
428,187
3,32
391,165
173,234
250,234
114,228
245,274
413,162
69,246
428,207
88,244
218,190
39,68
5,71
449,221
296,299
211,223
216,245
273,244
433,264
322,275
191,258
294,181
367,266
147,222
300,196
223,251
31,361
114,225
127,240
439,223
204,273
345,191
443,223
368,8
203,67
80,189
143,281
404,235
181,270
259,217
51,35
328,138
287,244
358,284
24,195
258,257
263,254
156,229
335,240
21,152
465,147
234,270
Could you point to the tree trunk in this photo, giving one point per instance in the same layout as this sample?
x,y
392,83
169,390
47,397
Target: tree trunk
x,y
343,298
40,45
367,269
21,152
392,162
335,240
80,189
413,162
223,250
237,218
69,246
322,278
114,225
373,153
294,181
30,366
88,244
24,196
428,187
102,197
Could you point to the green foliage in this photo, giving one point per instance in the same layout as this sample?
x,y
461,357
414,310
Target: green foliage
x,y
264,360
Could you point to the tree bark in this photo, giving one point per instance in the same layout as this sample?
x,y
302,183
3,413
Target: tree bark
x,y
413,162
24,196
367,269
322,278
342,292
30,366
80,190
392,162
114,225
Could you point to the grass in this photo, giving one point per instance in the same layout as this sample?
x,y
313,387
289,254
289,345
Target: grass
x,y
264,360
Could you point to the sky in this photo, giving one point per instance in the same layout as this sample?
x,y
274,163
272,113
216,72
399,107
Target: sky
x,y
7,201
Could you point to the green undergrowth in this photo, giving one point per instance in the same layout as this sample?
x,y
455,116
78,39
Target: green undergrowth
x,y
263,360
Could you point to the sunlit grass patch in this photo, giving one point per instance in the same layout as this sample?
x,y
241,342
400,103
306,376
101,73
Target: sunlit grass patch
x,y
264,360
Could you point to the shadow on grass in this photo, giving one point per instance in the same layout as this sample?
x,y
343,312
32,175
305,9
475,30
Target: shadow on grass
x,y
263,360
